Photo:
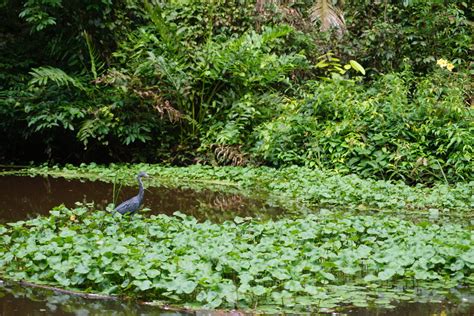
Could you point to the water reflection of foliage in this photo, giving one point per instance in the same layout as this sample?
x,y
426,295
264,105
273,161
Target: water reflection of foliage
x,y
24,300
206,204
287,187
228,206
25,197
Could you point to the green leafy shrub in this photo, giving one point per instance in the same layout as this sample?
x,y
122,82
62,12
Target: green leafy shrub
x,y
386,33
392,130
218,88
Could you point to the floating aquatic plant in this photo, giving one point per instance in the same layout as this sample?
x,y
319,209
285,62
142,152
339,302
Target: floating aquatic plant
x,y
309,263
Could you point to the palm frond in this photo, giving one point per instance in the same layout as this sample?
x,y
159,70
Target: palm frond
x,y
329,15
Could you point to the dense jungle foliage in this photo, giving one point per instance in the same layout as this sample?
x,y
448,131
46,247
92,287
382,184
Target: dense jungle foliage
x,y
381,89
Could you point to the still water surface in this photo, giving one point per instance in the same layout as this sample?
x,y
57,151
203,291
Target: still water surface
x,y
26,301
26,197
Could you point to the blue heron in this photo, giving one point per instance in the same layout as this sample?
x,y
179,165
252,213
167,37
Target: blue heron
x,y
133,204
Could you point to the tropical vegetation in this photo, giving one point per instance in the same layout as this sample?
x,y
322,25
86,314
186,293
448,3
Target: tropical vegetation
x,y
351,86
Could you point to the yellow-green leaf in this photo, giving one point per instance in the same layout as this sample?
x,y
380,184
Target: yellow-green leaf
x,y
357,66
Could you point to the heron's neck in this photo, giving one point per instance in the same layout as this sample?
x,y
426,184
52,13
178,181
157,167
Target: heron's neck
x,y
140,188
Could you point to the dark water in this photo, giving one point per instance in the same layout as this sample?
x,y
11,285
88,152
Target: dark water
x,y
26,197
24,301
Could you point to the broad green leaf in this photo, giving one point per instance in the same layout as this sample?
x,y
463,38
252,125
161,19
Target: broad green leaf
x,y
143,285
386,274
258,290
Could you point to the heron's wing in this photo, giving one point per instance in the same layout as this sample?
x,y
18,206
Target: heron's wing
x,y
130,205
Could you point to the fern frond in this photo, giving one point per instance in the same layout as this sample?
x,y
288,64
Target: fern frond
x,y
329,15
43,75
168,35
96,64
